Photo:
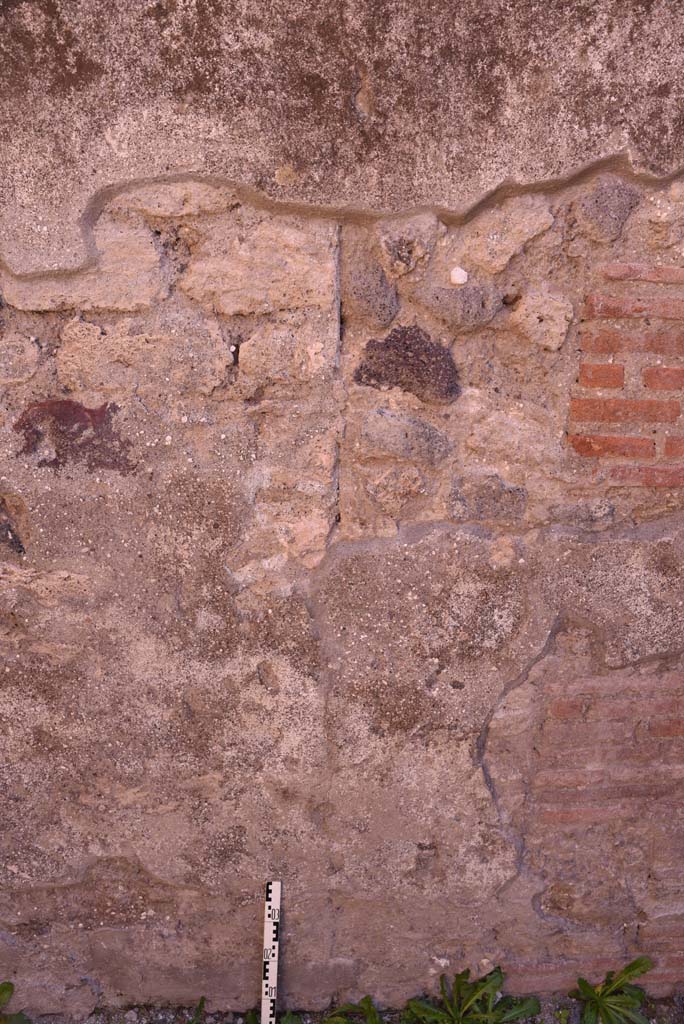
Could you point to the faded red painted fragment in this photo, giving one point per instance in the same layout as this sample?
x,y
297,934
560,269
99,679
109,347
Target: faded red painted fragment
x,y
63,431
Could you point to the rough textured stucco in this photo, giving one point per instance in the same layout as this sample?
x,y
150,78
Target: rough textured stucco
x,y
384,105
338,546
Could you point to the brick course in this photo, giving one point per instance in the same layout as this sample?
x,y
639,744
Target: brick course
x,y
646,304
663,378
601,375
624,410
612,446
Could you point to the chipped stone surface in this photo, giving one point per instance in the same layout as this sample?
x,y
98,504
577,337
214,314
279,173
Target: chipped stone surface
x,y
407,242
314,565
121,363
278,265
543,317
493,238
603,212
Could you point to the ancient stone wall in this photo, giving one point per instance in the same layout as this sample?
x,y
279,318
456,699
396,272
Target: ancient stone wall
x,y
347,551
341,495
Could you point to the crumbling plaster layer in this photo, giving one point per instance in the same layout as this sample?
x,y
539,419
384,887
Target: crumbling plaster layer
x,y
385,106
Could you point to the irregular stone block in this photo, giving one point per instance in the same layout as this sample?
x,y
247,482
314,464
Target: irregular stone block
x,y
408,359
463,308
603,213
18,358
494,237
395,487
407,242
278,265
13,519
156,366
295,348
126,277
543,317
366,292
487,497
403,437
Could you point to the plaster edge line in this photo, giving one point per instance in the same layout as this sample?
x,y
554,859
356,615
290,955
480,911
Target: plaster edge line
x,y
619,163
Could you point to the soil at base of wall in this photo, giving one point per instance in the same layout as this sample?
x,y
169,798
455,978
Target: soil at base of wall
x,y
660,1011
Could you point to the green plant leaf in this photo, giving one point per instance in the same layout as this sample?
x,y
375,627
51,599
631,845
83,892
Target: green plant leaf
x,y
447,998
635,991
251,1017
641,965
199,1012
614,1000
635,1017
586,991
369,1010
14,1018
364,1008
482,987
291,1018
422,1011
528,1007
6,993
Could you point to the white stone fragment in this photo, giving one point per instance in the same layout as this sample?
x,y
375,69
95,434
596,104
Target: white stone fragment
x,y
458,275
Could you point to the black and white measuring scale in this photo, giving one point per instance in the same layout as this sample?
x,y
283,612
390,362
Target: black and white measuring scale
x,y
269,986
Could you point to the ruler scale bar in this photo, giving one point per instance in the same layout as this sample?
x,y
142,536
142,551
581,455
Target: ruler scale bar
x,y
269,985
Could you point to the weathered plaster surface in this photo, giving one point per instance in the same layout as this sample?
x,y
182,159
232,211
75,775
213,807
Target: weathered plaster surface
x,y
340,513
384,105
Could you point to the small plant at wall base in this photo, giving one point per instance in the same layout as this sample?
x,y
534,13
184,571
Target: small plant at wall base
x,y
6,993
198,1015
471,1002
615,1000
364,1008
465,1002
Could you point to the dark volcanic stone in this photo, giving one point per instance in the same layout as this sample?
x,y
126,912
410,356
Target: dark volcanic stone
x,y
462,309
409,360
487,497
604,211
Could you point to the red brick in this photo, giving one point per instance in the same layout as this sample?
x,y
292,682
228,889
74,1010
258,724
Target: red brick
x,y
621,684
562,708
538,977
663,378
627,709
565,778
667,727
674,447
614,307
643,272
612,446
624,410
666,926
567,733
601,375
589,814
609,792
649,476
644,753
607,340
